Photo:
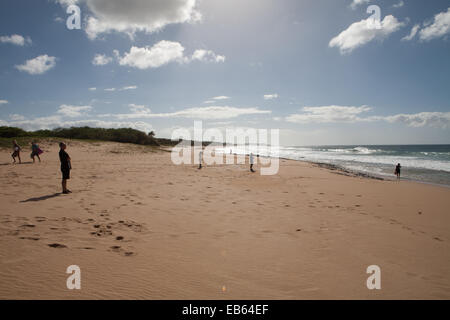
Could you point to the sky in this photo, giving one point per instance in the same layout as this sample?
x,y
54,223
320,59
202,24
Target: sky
x,y
323,72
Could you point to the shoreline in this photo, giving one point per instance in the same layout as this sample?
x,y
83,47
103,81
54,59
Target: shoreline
x,y
354,173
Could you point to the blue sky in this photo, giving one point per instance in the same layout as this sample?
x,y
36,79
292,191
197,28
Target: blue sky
x,y
312,68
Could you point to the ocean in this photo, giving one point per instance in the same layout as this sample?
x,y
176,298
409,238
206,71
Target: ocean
x,y
423,163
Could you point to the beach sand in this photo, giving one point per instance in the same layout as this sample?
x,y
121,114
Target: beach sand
x,y
140,227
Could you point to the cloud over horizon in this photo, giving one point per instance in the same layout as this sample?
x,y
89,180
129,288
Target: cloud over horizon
x,y
350,114
202,113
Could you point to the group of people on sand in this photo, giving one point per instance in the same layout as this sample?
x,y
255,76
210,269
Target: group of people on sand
x,y
35,152
64,158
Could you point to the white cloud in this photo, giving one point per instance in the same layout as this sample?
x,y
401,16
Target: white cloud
x,y
16,117
204,113
328,114
16,39
345,114
101,60
162,53
73,111
110,89
38,65
3,102
129,88
209,101
439,28
361,33
412,34
217,112
66,2
357,3
432,119
137,15
270,96
400,4
92,89
139,109
221,98
207,56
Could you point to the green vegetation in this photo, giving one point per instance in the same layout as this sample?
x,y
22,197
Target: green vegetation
x,y
125,135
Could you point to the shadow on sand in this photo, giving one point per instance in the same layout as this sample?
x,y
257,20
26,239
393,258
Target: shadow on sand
x,y
42,198
16,163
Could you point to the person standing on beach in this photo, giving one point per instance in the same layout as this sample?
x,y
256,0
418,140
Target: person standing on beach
x,y
397,170
35,151
65,166
200,159
16,152
252,162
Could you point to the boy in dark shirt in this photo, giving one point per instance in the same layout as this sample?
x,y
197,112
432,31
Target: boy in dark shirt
x,y
65,166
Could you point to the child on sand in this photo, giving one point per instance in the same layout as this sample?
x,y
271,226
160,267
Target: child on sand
x,y
16,152
397,170
35,151
65,166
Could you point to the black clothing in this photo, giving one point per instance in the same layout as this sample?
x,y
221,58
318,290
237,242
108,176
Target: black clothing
x,y
65,164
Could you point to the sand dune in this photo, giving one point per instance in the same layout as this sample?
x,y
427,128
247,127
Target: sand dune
x,y
140,227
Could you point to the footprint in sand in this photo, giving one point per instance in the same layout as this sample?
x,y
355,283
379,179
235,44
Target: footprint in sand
x,y
118,249
30,238
57,245
27,226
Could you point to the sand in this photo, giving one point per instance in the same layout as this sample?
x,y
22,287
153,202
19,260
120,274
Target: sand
x,y
140,227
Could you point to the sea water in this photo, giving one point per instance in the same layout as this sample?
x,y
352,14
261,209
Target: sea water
x,y
424,163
